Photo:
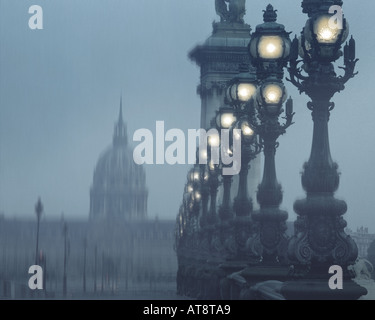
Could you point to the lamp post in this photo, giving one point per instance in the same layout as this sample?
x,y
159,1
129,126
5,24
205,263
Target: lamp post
x,y
65,234
95,266
205,192
213,181
207,220
225,118
240,96
212,223
84,263
194,205
320,240
185,233
189,244
242,204
269,50
38,211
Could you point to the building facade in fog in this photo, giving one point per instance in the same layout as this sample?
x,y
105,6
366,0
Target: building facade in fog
x,y
120,256
118,249
362,238
119,185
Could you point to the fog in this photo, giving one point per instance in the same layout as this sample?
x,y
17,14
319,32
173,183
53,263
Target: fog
x,y
60,91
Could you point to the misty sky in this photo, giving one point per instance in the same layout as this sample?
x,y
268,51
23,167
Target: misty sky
x,y
60,89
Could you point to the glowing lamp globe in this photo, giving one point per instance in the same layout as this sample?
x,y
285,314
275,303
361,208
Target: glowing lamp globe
x,y
271,97
270,42
225,118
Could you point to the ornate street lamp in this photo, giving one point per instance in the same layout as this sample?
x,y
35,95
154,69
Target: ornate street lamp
x,y
241,88
194,201
269,46
211,224
189,246
320,240
223,237
242,204
270,97
240,96
185,217
249,149
319,46
206,221
213,172
323,35
225,118
204,190
269,50
184,234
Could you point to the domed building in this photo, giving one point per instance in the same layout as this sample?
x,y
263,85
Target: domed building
x,y
119,186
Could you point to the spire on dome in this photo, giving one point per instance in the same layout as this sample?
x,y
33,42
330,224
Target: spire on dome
x,y
120,136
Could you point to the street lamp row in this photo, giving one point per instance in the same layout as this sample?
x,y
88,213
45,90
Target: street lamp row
x,y
253,104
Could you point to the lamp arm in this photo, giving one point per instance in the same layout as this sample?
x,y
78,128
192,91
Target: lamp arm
x,y
349,71
296,83
295,76
296,71
255,122
288,121
258,146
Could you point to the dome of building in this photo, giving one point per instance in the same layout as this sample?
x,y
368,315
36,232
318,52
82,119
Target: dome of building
x,y
119,184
